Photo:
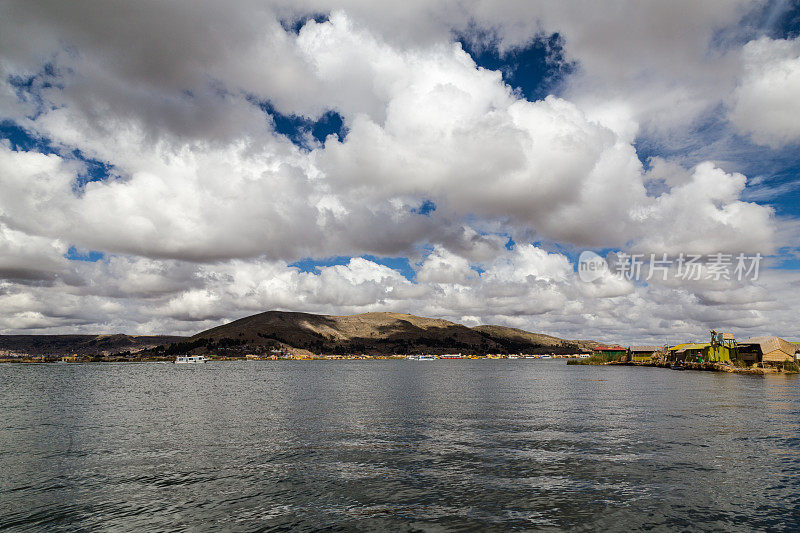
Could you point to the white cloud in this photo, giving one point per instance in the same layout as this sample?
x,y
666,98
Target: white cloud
x,y
208,204
443,266
765,102
708,202
525,287
424,123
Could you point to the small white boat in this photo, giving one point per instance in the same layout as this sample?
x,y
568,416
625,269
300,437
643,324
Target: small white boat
x,y
426,358
190,359
547,357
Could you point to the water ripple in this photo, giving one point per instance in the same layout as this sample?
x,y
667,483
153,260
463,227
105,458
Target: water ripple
x,y
396,446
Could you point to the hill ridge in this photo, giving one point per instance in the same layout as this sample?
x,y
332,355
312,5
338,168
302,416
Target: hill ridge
x,y
374,332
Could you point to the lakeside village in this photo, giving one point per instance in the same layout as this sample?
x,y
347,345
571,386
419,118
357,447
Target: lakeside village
x,y
273,355
756,355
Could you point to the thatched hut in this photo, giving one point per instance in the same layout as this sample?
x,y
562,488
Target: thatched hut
x,y
643,353
768,350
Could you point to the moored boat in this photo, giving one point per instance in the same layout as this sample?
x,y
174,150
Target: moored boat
x,y
190,359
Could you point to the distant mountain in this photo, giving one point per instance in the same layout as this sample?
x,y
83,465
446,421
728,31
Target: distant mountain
x,y
368,333
526,337
377,333
81,344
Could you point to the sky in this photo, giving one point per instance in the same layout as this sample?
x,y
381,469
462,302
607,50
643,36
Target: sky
x,y
169,166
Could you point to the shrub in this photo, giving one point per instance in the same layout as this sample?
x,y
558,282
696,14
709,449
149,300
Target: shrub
x,y
593,360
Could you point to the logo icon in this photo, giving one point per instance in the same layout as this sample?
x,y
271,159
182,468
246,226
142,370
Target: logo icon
x,y
591,266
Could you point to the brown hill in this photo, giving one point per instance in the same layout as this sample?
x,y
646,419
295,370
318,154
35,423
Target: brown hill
x,y
82,344
380,333
520,335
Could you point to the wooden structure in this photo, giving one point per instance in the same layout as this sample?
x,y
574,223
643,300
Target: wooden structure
x,y
642,353
702,352
768,350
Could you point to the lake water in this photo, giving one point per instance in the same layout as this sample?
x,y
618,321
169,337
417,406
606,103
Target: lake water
x,y
396,445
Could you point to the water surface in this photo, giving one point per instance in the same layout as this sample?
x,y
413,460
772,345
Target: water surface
x,y
395,445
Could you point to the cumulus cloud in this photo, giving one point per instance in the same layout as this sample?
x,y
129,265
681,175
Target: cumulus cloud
x,y
423,122
709,199
455,133
765,103
206,203
526,287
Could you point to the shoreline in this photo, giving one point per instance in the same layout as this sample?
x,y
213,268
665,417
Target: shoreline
x,y
361,357
704,367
